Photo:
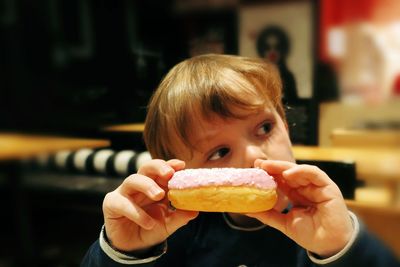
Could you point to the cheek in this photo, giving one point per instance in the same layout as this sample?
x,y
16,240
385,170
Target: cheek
x,y
279,147
194,161
190,164
287,154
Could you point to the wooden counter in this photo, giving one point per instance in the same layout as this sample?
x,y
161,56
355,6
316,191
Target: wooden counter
x,y
366,138
371,163
14,146
130,128
377,166
336,114
17,146
384,222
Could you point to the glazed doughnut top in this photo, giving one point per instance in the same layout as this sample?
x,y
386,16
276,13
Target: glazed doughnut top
x,y
192,178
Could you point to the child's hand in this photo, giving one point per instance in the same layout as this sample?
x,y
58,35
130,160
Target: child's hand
x,y
319,220
136,214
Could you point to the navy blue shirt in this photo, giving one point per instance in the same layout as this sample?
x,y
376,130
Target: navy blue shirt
x,y
210,241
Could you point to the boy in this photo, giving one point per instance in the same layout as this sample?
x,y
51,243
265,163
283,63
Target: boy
x,y
226,111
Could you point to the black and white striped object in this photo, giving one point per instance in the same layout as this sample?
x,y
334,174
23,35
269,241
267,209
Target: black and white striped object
x,y
104,161
42,161
65,160
83,160
142,158
62,160
121,163
126,162
101,161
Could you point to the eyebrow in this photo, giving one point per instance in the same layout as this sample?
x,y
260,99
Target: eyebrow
x,y
208,137
204,139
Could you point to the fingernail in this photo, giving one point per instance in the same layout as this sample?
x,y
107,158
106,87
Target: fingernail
x,y
150,224
155,191
165,170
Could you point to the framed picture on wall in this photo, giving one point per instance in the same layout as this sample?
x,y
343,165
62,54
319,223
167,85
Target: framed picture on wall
x,y
283,33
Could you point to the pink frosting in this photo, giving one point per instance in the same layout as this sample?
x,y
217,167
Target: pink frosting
x,y
191,178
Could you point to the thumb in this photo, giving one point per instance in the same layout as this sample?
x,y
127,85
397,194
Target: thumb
x,y
272,218
283,201
179,218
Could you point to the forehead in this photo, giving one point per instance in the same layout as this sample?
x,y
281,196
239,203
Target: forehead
x,y
203,130
201,121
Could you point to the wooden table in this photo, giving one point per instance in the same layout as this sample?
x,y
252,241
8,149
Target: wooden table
x,y
15,147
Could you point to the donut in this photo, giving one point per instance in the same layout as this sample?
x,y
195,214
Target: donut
x,y
240,190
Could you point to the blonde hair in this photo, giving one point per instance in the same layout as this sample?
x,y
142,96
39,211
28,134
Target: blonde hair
x,y
204,86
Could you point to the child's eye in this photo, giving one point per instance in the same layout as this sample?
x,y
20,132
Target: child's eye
x,y
220,153
265,128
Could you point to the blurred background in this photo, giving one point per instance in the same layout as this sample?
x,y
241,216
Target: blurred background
x,y
76,75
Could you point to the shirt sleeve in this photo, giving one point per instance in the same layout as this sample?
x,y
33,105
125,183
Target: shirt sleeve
x,y
128,258
356,227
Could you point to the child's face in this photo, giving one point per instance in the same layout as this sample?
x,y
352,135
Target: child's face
x,y
238,142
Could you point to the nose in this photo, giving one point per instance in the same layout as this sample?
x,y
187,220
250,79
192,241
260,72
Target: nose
x,y
253,152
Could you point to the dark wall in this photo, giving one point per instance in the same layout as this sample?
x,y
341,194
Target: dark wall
x,y
71,65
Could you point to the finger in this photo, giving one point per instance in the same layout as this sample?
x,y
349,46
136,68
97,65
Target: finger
x,y
179,218
309,185
173,219
298,199
288,193
143,184
274,167
176,164
320,194
289,186
303,175
283,201
116,206
155,169
272,218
